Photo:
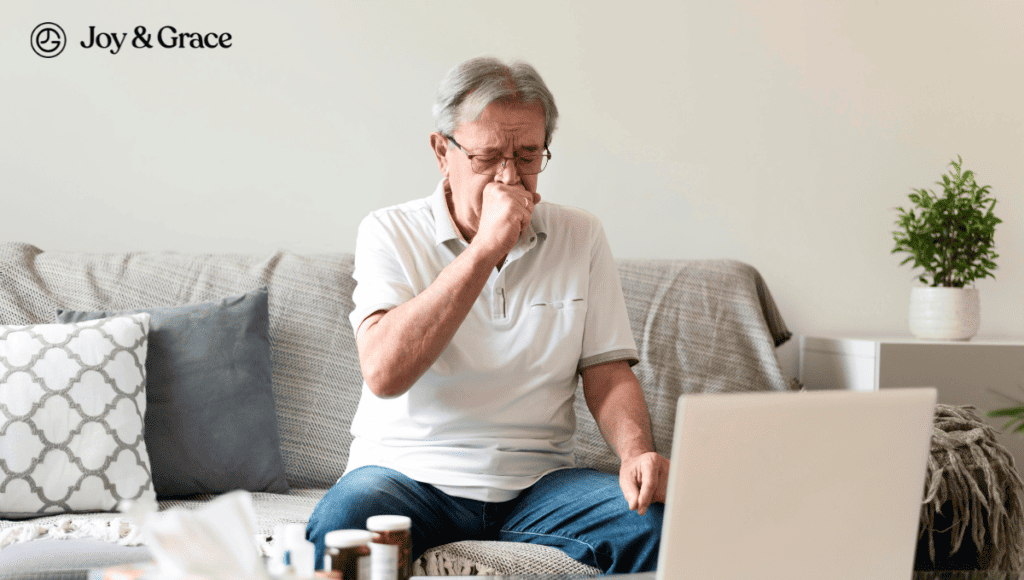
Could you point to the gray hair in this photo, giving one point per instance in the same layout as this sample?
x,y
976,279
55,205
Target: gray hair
x,y
468,88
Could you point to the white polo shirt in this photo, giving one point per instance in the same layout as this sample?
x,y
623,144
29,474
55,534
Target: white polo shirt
x,y
495,412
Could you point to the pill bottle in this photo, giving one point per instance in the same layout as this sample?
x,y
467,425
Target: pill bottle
x,y
347,554
299,552
391,550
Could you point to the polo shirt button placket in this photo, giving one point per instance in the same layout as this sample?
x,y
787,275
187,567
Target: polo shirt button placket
x,y
498,304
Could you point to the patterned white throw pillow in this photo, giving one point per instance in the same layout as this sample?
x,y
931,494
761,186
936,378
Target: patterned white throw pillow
x,y
72,409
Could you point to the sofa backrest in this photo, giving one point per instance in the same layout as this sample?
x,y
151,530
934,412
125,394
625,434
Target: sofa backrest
x,y
700,326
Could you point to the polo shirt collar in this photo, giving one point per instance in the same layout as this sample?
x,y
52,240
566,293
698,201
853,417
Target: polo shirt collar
x,y
445,229
444,224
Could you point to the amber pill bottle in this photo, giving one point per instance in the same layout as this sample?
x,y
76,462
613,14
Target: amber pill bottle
x,y
391,550
347,555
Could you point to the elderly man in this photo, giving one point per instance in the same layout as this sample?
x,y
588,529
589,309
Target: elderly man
x,y
476,308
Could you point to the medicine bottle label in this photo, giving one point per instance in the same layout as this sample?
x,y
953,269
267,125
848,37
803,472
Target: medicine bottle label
x,y
384,562
365,567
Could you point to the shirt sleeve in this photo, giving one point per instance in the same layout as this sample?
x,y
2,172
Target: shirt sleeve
x,y
607,335
381,282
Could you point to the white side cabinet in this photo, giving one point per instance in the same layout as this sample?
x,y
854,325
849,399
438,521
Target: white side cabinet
x,y
988,374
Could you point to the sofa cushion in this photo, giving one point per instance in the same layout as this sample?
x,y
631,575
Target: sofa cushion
x,y
211,425
72,402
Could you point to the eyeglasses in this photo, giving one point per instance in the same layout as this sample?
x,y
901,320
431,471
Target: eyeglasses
x,y
492,163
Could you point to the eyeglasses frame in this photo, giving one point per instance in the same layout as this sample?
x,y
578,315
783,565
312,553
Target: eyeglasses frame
x,y
546,154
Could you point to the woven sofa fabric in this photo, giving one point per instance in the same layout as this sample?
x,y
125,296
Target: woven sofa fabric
x,y
701,326
315,369
471,558
271,509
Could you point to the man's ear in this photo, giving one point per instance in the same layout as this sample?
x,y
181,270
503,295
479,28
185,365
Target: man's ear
x,y
439,143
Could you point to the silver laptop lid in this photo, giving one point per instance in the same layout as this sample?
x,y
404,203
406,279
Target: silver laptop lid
x,y
824,484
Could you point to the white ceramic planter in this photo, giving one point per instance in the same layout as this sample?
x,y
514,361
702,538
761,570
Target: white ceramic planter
x,y
944,313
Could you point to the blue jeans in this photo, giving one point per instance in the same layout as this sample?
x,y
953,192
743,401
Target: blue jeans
x,y
579,511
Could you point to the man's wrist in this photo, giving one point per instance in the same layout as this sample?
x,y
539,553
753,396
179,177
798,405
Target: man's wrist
x,y
627,456
485,256
634,446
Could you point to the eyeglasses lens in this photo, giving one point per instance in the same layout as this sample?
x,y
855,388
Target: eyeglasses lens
x,y
525,164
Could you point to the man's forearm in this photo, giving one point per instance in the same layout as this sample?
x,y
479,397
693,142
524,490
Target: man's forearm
x,y
615,400
396,348
617,403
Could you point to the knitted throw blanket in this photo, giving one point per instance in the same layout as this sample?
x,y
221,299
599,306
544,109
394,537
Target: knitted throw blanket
x,y
976,476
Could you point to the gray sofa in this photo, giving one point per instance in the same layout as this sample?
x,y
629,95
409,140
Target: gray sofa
x,y
700,326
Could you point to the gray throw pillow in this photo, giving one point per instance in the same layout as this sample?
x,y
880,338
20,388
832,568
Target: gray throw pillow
x,y
211,425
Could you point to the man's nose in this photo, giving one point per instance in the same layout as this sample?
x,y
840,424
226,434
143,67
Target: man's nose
x,y
507,173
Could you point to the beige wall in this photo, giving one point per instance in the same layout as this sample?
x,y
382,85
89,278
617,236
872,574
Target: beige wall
x,y
779,133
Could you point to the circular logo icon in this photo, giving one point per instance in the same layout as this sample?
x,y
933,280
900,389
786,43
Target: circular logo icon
x,y
48,40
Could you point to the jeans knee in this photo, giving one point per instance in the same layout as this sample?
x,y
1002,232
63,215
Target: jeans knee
x,y
364,492
355,497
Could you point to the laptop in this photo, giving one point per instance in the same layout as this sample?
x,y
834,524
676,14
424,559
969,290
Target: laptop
x,y
803,485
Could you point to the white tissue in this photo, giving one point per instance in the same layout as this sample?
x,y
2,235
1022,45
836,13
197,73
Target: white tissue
x,y
215,542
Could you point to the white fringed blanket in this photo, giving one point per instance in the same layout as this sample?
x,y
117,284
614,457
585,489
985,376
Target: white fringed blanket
x,y
969,472
116,531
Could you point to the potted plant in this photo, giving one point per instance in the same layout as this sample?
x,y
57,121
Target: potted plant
x,y
950,236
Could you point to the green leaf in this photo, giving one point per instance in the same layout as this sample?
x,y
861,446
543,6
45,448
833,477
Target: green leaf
x,y
949,236
1007,412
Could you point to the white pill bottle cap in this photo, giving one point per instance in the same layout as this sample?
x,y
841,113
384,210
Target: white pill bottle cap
x,y
347,538
388,523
